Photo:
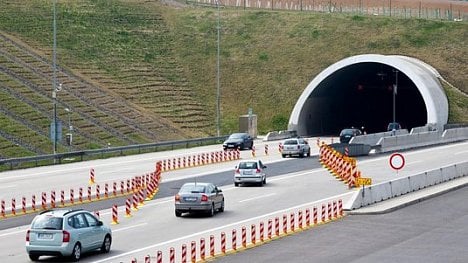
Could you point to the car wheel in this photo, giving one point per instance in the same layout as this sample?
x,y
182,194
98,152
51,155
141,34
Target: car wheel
x,y
241,146
264,180
76,254
221,209
178,214
236,184
212,210
308,153
284,155
34,257
106,245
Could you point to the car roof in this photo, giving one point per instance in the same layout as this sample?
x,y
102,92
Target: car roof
x,y
60,212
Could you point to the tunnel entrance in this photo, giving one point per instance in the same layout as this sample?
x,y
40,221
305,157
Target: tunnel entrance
x,y
360,94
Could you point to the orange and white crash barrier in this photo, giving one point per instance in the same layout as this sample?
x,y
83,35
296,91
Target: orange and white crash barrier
x,y
91,176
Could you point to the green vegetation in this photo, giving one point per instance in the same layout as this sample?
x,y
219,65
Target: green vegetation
x,y
267,57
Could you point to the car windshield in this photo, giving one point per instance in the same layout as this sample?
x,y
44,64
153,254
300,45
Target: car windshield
x,y
248,165
236,136
192,188
290,142
47,222
346,132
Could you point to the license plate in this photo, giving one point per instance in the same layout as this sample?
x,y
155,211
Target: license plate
x,y
190,199
45,236
247,172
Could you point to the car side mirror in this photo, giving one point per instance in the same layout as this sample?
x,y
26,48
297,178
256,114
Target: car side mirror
x,y
100,223
219,190
264,167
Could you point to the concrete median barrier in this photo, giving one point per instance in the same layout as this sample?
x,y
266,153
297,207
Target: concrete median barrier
x,y
383,191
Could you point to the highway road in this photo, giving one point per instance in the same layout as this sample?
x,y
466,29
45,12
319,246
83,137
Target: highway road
x,y
431,231
294,184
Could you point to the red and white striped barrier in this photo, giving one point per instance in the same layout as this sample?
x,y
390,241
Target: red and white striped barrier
x,y
23,204
159,257
44,201
266,149
128,208
115,215
33,202
72,196
315,215
172,255
193,253
80,194
2,210
285,224
277,226
262,231
91,176
89,194
234,239
106,190
147,259
223,242
202,248
52,199
212,245
244,237
324,213
13,206
253,234
291,217
307,217
98,192
270,229
184,253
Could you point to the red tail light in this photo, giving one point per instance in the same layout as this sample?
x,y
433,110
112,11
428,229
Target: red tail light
x,y
27,235
204,198
258,171
177,197
237,171
66,236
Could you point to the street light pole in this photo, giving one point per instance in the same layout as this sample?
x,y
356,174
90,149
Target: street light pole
x,y
395,88
218,92
54,83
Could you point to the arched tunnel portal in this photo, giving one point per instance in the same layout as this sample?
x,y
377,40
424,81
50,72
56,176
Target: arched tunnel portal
x,y
360,91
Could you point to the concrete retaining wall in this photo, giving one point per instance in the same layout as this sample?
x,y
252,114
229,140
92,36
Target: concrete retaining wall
x,y
373,138
383,191
279,135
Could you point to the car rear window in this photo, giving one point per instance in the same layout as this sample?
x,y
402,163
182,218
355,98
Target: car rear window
x,y
347,132
290,142
250,165
193,189
47,222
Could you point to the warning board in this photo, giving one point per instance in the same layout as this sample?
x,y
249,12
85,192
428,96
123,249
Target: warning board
x,y
364,181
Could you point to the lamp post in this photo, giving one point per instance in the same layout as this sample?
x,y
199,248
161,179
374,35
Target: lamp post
x,y
54,84
218,92
395,87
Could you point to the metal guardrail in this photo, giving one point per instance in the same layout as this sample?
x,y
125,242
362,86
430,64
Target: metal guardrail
x,y
75,156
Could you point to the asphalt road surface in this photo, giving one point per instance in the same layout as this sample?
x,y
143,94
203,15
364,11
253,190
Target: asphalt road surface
x,y
435,230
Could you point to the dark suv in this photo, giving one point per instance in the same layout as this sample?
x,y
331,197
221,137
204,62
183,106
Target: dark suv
x,y
238,141
347,134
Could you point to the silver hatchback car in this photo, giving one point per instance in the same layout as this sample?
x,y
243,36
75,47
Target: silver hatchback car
x,y
199,197
250,172
66,233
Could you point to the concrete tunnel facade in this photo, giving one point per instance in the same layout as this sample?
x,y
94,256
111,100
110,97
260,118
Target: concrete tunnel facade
x,y
359,92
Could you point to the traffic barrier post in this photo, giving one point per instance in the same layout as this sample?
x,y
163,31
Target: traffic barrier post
x,y
244,237
23,202
115,215
52,199
193,254
202,248
91,176
234,240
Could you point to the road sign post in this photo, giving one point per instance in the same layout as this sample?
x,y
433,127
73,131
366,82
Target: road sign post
x,y
397,161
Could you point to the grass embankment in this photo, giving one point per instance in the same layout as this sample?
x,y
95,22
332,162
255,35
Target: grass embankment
x,y
267,58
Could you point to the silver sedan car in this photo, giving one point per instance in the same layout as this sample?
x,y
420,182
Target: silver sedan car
x,y
68,233
295,146
252,171
199,197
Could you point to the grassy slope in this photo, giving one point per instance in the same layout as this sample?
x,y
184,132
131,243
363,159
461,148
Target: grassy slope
x,y
267,58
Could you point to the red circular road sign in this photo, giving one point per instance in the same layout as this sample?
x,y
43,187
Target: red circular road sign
x,y
397,161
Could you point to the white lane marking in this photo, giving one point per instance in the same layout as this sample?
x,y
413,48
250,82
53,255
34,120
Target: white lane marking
x,y
13,233
219,228
7,186
462,152
257,197
413,162
129,227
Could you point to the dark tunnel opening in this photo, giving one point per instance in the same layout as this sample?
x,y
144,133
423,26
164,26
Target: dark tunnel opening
x,y
361,95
